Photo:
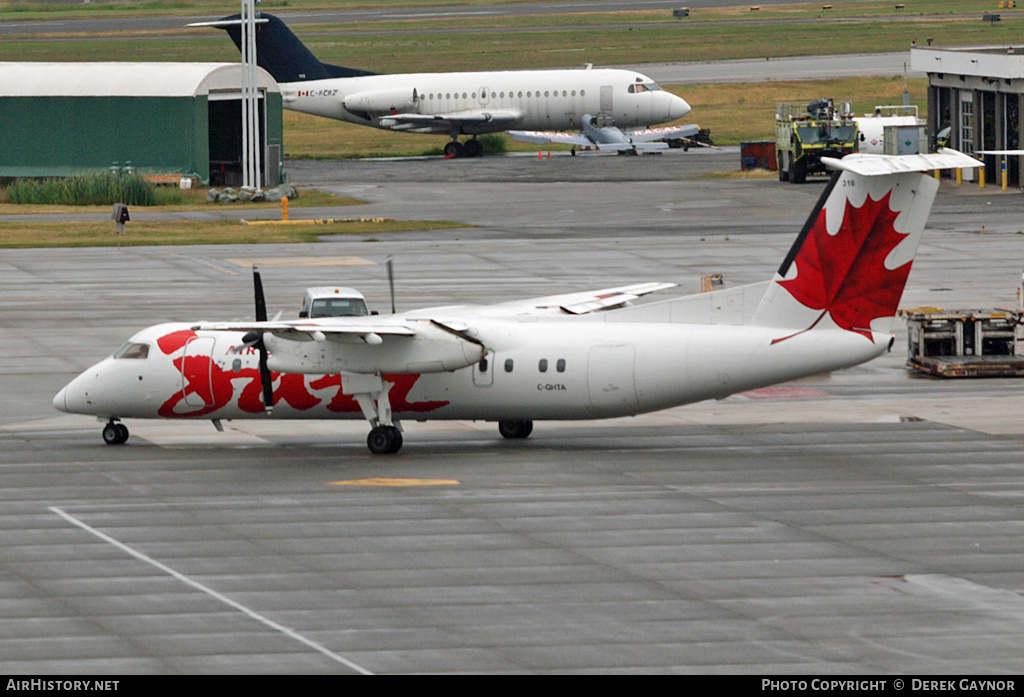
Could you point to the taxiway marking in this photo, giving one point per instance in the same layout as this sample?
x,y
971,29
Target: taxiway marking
x,y
209,591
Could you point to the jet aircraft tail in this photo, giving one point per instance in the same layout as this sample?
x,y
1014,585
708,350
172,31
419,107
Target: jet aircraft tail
x,y
850,263
279,51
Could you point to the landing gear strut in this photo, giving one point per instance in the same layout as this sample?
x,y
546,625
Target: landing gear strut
x,y
115,433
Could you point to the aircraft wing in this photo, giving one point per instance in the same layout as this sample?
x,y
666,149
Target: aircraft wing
x,y
552,137
870,164
670,132
444,123
581,140
310,327
586,301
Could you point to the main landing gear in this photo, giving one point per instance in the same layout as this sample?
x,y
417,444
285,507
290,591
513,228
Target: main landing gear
x,y
515,429
371,394
471,148
115,433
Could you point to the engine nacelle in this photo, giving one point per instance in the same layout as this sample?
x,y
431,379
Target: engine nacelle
x,y
381,101
431,350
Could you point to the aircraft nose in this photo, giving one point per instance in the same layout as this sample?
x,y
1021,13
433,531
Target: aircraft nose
x,y
74,397
678,108
60,402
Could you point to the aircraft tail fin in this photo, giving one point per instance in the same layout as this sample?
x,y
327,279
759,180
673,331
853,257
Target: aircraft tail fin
x,y
280,52
850,263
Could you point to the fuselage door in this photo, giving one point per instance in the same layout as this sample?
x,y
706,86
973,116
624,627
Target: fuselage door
x,y
197,371
606,98
483,370
610,376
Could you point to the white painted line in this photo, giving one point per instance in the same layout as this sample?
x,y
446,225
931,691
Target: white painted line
x,y
209,591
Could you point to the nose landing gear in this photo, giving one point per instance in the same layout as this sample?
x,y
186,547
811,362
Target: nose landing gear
x,y
115,433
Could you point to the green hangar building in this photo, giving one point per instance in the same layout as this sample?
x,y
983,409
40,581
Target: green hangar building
x,y
158,118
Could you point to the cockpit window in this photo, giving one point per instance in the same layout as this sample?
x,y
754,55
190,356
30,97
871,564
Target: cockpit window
x,y
133,350
641,87
338,307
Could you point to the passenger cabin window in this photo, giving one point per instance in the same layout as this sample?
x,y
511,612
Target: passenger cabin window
x,y
508,365
338,307
560,365
543,365
133,350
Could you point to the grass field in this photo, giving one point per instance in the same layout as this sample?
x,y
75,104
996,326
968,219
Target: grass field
x,y
546,41
734,112
102,234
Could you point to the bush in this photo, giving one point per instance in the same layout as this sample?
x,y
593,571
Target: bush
x,y
494,143
84,190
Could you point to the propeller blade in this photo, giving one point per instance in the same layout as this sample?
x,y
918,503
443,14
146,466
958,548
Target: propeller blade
x,y
268,387
256,339
391,282
261,302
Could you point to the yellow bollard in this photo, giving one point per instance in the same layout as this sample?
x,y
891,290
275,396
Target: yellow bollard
x,y
1004,174
938,174
959,176
284,208
981,177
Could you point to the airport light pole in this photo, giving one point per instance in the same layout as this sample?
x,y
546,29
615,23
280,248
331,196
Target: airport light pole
x,y
251,166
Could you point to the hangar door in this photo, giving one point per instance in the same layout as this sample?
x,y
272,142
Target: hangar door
x,y
225,119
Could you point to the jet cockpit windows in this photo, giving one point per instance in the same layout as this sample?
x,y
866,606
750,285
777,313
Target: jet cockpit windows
x,y
133,349
641,87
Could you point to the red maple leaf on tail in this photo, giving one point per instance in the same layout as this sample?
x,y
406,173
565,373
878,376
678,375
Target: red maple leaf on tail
x,y
844,275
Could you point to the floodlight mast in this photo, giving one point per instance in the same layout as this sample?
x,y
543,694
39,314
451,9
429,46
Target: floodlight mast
x,y
251,165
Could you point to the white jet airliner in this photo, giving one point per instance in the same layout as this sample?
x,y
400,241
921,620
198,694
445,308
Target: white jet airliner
x,y
454,104
587,355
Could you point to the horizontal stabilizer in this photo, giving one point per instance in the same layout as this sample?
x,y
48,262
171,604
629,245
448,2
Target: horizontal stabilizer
x,y
870,165
225,23
279,51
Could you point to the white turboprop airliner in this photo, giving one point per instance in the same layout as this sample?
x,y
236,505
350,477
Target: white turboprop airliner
x,y
578,356
597,134
454,104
